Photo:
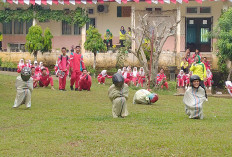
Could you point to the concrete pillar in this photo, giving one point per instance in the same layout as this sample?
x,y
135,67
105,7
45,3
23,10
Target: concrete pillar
x,y
83,38
133,26
178,29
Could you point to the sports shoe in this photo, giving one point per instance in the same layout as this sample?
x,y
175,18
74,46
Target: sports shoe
x,y
71,87
76,89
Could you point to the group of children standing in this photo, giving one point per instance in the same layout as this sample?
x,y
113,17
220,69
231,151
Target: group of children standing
x,y
188,67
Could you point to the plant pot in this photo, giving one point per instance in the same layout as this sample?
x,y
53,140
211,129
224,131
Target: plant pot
x,y
15,69
0,68
172,69
8,69
4,69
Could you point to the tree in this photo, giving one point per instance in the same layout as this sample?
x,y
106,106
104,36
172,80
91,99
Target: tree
x,y
159,27
223,33
94,43
36,42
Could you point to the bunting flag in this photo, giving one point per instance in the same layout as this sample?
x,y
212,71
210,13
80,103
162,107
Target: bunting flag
x,y
173,1
124,1
167,1
148,1
44,2
32,2
38,2
10,1
27,2
55,1
154,1
94,1
78,1
66,2
61,2
74,2
20,1
119,1
89,1
15,1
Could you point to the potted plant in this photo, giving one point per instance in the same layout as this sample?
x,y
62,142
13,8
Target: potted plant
x,y
8,66
4,68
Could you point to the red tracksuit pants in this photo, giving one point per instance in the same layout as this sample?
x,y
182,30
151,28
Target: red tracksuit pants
x,y
208,82
46,82
85,85
165,84
75,77
101,79
180,82
62,81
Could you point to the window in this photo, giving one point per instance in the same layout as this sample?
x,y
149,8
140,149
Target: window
x,y
28,25
158,10
91,22
18,27
7,27
148,9
66,28
90,11
191,10
123,11
204,32
205,10
77,29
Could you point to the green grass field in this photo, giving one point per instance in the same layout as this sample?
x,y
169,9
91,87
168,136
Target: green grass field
x,y
81,124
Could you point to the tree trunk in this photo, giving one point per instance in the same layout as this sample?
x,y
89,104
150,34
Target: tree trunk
x,y
35,55
94,63
228,78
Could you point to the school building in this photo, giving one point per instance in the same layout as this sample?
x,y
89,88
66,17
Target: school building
x,y
197,18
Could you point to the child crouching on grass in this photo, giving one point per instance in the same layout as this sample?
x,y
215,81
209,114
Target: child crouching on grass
x,y
118,94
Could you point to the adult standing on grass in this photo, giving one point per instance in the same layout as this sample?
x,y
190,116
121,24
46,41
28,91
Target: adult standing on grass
x,y
198,68
194,98
76,67
63,65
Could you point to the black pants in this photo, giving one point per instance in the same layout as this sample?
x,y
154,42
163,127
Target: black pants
x,y
122,43
107,43
203,86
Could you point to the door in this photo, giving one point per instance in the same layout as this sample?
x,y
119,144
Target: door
x,y
196,30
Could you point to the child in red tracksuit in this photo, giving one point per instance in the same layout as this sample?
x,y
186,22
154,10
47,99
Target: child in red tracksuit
x,y
45,79
21,65
76,66
102,76
63,65
85,81
181,79
127,74
161,76
141,77
35,77
209,78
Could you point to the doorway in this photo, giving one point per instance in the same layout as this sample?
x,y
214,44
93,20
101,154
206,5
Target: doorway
x,y
196,30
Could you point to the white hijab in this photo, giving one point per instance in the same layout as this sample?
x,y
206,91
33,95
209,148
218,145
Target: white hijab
x,y
124,72
35,62
104,73
140,72
40,64
229,85
20,62
135,71
180,73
